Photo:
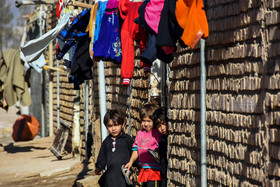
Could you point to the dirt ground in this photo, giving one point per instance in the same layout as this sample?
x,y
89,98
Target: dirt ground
x,y
31,163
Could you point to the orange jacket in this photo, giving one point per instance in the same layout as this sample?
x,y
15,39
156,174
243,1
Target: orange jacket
x,y
191,16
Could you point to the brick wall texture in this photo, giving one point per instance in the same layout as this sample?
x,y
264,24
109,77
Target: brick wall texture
x,y
66,92
242,99
242,66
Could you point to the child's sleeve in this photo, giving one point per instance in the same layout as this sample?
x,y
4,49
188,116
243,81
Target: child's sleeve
x,y
135,145
102,158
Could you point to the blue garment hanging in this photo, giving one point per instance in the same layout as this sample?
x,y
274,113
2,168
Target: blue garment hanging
x,y
108,45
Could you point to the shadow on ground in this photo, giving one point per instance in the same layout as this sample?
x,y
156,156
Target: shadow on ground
x,y
16,149
84,171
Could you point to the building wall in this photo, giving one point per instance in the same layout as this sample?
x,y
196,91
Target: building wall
x,y
242,92
67,94
242,66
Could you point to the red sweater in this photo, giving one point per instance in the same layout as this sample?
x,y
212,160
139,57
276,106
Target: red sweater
x,y
130,31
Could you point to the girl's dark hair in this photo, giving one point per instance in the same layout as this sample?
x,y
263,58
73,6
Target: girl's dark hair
x,y
147,111
159,116
116,115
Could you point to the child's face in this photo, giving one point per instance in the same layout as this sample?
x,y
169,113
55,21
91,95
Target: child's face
x,y
147,124
114,129
162,128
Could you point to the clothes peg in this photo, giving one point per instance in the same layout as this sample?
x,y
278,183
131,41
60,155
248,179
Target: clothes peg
x,y
46,67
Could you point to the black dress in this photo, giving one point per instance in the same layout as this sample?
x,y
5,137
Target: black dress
x,y
113,159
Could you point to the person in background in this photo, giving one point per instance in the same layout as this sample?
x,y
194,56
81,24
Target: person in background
x,y
114,152
146,138
160,155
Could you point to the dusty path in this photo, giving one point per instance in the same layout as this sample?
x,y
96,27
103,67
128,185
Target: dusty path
x,y
31,163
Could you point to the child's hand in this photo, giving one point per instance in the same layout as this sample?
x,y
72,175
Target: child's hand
x,y
128,165
97,171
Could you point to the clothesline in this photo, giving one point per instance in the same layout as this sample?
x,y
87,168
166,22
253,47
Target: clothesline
x,y
79,4
101,23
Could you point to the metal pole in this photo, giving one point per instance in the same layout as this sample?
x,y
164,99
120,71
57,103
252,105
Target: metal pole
x,y
86,114
50,91
29,2
43,124
57,87
203,113
102,96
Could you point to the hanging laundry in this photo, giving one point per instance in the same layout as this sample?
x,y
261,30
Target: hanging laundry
x,y
39,63
98,21
93,13
152,52
14,81
130,32
108,44
22,42
169,30
192,18
33,49
73,32
81,68
33,32
141,19
74,41
59,6
92,25
152,13
72,78
67,58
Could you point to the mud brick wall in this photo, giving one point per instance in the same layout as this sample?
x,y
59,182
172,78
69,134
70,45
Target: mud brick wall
x,y
138,96
66,99
242,65
70,102
242,61
67,93
117,96
271,100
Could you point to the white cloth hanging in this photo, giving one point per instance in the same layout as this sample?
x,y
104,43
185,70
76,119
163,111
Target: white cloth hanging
x,y
32,50
39,63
